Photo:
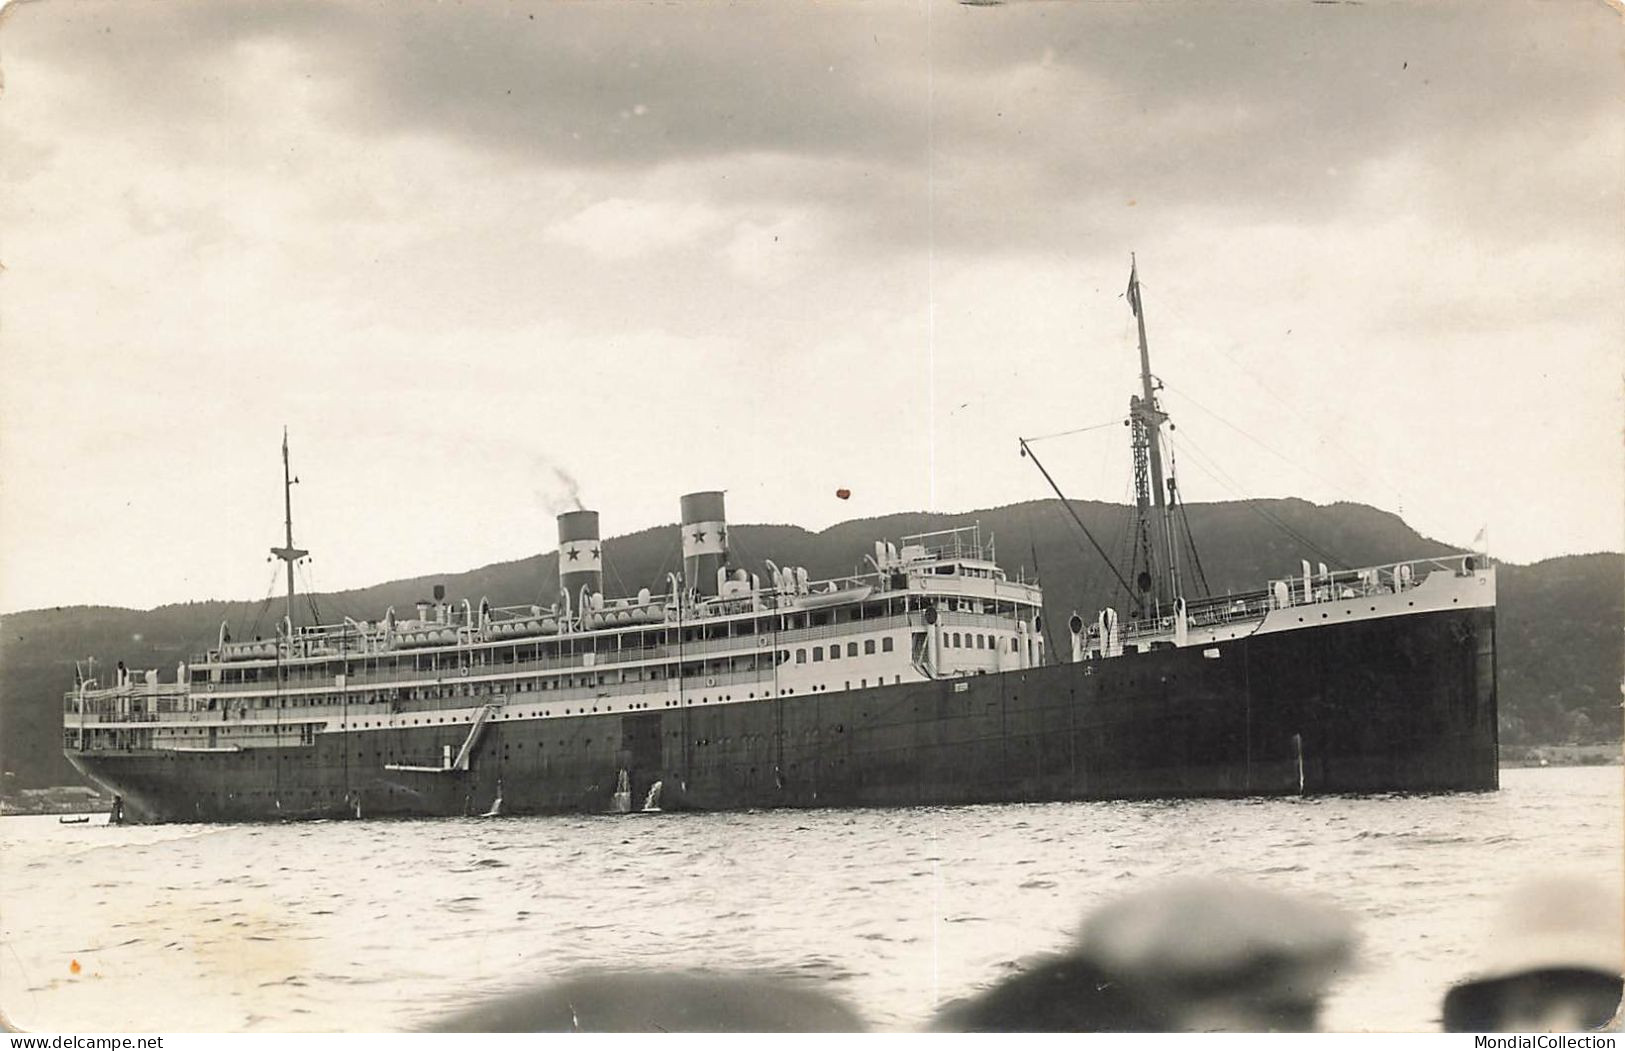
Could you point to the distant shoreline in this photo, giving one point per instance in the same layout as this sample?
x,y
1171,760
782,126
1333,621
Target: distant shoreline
x,y
1562,755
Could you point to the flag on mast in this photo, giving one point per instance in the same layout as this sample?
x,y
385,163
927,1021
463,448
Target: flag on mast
x,y
1134,286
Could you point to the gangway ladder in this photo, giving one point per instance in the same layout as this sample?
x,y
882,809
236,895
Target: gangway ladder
x,y
449,765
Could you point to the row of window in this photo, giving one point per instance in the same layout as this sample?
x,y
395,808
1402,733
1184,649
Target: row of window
x,y
851,650
970,640
565,647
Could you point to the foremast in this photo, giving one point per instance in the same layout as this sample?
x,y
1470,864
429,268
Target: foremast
x,y
288,553
1158,581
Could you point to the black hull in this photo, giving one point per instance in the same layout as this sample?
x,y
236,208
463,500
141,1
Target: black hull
x,y
1399,704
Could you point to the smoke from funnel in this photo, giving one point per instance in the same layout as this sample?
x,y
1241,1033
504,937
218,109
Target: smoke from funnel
x,y
572,488
557,494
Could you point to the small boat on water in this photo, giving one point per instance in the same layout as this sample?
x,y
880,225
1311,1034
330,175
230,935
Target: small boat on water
x,y
82,819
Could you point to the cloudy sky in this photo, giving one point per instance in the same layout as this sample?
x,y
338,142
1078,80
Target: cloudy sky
x,y
468,252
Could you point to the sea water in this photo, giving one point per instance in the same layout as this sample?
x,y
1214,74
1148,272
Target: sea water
x,y
384,925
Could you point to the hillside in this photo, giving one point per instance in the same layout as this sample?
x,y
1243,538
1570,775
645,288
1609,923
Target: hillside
x,y
1560,621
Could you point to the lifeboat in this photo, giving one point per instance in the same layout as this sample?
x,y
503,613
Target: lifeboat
x,y
819,599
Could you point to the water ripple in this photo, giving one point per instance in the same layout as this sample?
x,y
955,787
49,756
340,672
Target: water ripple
x,y
896,909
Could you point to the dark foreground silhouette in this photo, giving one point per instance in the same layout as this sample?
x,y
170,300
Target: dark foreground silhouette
x,y
1550,963
1189,956
655,1002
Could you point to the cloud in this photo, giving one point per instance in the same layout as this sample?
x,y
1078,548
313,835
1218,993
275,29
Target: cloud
x,y
621,228
773,251
1022,123
413,230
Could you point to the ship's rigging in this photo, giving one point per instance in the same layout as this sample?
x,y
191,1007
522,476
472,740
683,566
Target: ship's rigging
x,y
287,552
1153,582
1156,560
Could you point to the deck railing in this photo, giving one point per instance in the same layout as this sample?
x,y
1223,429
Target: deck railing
x,y
173,697
1333,586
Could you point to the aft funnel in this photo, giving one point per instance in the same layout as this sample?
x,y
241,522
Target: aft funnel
x,y
705,541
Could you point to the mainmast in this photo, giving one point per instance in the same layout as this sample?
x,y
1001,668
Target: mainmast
x,y
1160,583
288,553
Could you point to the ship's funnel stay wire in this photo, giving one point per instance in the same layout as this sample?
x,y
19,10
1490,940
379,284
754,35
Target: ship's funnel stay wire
x,y
1115,422
1220,476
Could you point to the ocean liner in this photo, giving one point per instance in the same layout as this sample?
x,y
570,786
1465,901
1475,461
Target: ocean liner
x,y
924,679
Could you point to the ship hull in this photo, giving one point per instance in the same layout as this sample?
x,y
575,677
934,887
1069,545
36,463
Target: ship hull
x,y
1397,704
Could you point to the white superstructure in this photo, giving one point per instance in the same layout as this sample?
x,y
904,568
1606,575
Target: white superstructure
x,y
937,606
